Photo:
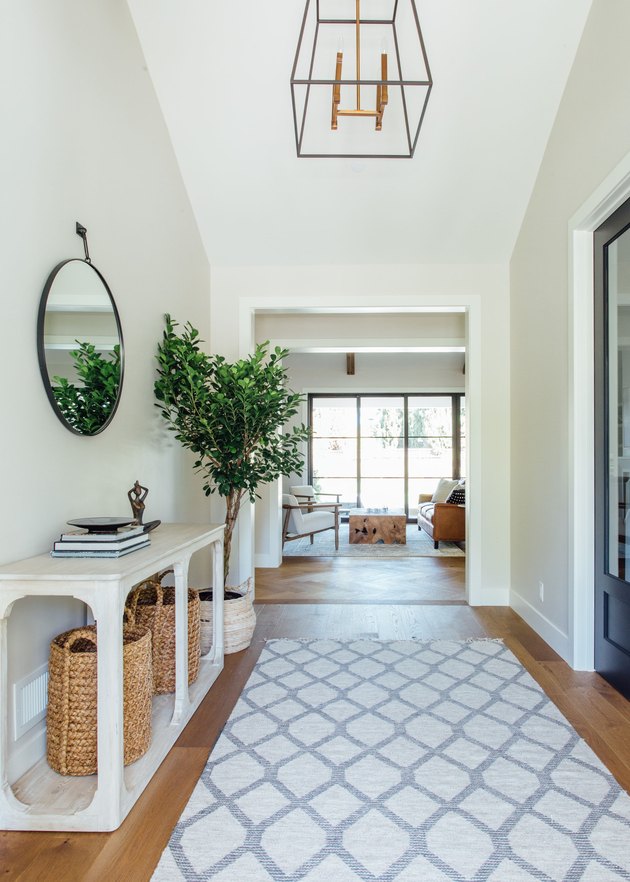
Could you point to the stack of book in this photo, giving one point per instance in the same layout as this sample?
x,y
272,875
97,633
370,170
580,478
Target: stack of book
x,y
81,543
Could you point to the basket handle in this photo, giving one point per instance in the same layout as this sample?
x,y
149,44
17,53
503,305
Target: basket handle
x,y
250,587
157,584
79,634
149,583
191,591
131,607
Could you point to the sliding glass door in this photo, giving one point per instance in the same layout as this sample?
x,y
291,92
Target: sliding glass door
x,y
434,442
334,446
383,450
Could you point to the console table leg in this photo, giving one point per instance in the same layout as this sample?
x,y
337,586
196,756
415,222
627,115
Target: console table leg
x,y
181,640
110,709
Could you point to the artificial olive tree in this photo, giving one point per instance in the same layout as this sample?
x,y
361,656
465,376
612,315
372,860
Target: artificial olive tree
x,y
229,416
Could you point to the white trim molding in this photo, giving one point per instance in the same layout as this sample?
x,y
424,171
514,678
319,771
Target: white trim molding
x,y
612,193
556,638
469,303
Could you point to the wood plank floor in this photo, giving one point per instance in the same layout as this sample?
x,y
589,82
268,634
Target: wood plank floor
x,y
130,854
348,580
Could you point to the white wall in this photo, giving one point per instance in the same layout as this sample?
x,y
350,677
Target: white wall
x,y
590,137
237,291
377,372
382,331
83,139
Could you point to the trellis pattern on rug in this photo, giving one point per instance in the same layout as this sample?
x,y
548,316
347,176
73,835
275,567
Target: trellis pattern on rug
x,y
369,761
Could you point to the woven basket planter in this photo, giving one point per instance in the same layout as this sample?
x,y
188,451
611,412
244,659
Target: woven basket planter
x,y
239,618
152,606
72,699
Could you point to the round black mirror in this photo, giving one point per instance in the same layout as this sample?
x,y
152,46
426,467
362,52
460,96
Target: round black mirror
x,y
80,347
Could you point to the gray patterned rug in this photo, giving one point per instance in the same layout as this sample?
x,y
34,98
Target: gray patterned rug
x,y
407,761
419,544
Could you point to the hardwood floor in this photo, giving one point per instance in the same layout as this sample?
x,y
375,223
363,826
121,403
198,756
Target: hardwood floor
x,y
347,580
596,710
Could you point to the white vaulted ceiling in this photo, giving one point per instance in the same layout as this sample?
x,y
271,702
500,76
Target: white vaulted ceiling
x,y
221,71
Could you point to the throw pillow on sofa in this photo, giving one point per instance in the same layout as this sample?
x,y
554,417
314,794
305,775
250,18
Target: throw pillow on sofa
x,y
457,495
444,489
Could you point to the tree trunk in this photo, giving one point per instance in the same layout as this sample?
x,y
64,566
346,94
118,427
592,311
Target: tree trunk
x,y
233,506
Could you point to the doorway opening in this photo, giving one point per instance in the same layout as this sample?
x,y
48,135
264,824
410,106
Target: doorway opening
x,y
484,559
401,429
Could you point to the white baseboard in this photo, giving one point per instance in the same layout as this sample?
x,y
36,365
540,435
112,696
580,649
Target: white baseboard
x,y
267,561
24,753
493,597
557,639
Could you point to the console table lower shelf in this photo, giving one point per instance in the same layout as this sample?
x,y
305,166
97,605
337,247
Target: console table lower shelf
x,y
44,800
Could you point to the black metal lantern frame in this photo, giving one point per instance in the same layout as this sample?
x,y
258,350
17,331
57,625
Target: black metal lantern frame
x,y
337,110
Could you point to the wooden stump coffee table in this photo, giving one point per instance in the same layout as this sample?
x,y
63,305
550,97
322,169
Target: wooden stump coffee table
x,y
371,526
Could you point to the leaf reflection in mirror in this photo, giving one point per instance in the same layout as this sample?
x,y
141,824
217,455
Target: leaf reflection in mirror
x,y
88,406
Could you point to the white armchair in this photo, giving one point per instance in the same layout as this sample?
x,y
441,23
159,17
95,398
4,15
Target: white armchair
x,y
307,519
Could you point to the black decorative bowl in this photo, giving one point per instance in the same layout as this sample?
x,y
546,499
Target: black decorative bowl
x,y
101,525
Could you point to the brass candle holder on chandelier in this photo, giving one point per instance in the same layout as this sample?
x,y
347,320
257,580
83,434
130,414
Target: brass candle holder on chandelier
x,y
326,24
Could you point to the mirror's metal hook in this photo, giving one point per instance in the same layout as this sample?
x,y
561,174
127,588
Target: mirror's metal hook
x,y
81,231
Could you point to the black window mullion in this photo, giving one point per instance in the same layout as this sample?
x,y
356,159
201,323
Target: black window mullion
x,y
457,437
358,400
406,452
310,439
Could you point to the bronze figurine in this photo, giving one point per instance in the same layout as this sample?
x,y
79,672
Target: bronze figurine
x,y
136,496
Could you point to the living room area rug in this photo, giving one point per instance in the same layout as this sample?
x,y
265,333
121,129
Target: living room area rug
x,y
419,544
399,761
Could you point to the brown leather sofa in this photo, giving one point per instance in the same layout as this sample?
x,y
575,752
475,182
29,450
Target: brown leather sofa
x,y
441,520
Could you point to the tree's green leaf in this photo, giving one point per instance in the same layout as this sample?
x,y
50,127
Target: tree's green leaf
x,y
230,415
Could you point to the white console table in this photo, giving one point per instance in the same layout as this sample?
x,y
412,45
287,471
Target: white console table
x,y
43,800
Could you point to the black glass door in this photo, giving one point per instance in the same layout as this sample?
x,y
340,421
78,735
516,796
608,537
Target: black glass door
x,y
612,449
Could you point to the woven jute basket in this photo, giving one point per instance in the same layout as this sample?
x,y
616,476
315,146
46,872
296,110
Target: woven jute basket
x,y
239,619
72,699
151,605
